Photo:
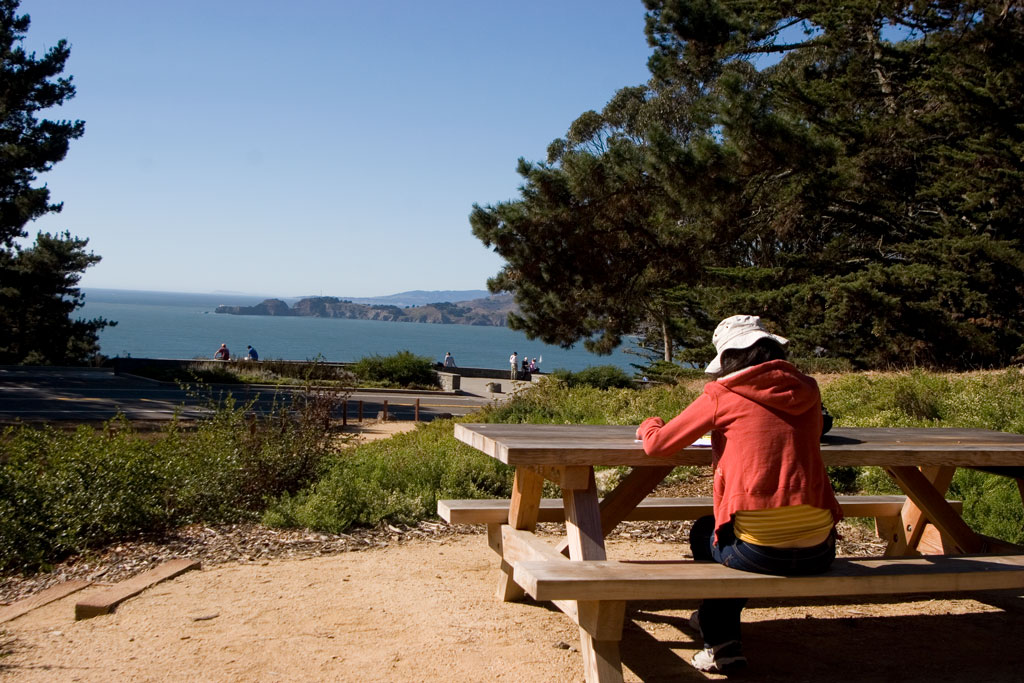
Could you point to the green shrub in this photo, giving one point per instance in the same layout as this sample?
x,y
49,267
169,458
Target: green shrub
x,y
403,369
551,401
992,504
212,372
398,480
664,371
822,366
990,400
63,492
241,371
598,376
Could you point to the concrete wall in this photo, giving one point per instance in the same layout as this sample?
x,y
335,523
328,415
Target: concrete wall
x,y
128,365
482,373
450,381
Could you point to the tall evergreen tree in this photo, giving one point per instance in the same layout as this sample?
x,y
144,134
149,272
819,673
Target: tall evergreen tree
x,y
872,175
862,191
38,284
586,243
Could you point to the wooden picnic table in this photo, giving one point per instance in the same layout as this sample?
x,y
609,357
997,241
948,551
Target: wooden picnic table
x,y
922,462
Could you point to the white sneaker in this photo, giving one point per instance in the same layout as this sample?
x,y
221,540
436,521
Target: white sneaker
x,y
723,659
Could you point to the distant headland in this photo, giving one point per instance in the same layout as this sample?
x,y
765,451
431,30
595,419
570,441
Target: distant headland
x,y
488,310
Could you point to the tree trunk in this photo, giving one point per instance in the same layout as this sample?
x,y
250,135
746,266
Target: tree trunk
x,y
666,339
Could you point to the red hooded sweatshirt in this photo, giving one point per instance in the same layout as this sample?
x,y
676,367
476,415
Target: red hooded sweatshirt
x,y
765,424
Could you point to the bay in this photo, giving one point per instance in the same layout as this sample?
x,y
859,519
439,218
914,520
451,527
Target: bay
x,y
183,326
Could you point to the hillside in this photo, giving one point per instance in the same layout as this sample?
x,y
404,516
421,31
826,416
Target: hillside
x,y
488,311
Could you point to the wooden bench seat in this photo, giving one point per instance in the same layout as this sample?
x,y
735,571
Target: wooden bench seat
x,y
560,579
594,593
495,511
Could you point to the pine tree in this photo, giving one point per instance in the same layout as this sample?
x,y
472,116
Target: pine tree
x,y
38,284
861,193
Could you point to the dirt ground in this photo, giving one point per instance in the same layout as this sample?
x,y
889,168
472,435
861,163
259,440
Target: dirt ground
x,y
425,610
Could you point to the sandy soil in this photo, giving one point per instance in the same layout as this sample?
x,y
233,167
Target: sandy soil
x,y
424,610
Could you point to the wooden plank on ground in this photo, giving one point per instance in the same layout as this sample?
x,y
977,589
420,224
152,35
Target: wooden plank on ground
x,y
105,602
45,597
659,580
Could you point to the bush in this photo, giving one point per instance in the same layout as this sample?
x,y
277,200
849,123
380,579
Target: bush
x,y
63,492
599,377
822,366
551,401
241,371
986,400
403,369
398,480
989,400
664,371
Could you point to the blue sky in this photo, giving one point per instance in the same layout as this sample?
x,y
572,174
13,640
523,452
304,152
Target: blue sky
x,y
314,146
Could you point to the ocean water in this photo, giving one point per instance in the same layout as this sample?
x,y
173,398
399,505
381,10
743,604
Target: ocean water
x,y
173,325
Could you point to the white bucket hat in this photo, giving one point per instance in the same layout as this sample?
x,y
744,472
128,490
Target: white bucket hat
x,y
738,332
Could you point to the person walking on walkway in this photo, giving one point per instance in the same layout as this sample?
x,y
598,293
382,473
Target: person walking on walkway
x,y
513,360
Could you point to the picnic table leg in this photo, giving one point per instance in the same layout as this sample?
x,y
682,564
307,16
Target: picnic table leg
x,y
583,521
600,622
905,534
522,514
630,492
927,492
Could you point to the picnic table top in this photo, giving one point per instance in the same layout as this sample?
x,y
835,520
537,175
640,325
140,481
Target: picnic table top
x,y
549,444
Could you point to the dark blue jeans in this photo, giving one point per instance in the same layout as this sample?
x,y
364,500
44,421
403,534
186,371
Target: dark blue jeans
x,y
720,617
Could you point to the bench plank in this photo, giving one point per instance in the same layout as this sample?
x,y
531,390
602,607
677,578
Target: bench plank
x,y
495,510
676,580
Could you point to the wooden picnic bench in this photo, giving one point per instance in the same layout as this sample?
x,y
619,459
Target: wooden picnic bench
x,y
593,591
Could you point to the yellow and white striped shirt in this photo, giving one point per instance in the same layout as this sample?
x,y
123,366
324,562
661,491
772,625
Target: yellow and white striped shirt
x,y
793,526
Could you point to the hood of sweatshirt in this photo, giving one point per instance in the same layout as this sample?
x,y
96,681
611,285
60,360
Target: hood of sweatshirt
x,y
777,385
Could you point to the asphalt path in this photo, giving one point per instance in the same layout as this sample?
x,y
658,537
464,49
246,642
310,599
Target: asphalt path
x,y
41,394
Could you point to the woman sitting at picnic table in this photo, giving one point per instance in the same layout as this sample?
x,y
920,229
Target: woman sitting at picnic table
x,y
774,508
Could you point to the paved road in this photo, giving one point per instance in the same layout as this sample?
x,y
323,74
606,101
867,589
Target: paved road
x,y
90,394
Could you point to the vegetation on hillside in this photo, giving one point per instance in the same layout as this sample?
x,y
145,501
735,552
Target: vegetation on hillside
x,y
65,492
403,369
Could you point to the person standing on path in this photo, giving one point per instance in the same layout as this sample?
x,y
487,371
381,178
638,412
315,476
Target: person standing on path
x,y
513,361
